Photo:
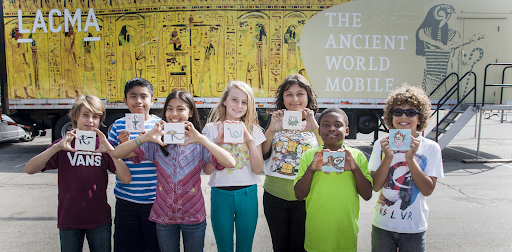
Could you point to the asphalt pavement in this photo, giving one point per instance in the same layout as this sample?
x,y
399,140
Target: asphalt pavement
x,y
469,209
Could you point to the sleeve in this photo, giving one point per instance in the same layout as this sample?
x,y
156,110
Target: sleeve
x,y
206,155
305,161
434,162
113,135
54,160
259,137
362,162
110,163
144,152
376,157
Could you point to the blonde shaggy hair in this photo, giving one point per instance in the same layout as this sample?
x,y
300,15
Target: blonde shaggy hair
x,y
250,119
92,103
415,97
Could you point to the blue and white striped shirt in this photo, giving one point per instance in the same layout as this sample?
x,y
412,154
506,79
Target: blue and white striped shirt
x,y
142,188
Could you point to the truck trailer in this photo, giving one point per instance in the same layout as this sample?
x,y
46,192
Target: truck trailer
x,y
353,52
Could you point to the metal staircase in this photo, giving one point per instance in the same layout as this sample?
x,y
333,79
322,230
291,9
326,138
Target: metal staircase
x,y
455,120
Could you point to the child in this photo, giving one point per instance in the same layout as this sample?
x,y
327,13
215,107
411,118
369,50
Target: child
x,y
133,231
179,204
404,178
332,202
234,195
83,208
283,149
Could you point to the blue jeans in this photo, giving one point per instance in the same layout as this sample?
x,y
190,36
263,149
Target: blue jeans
x,y
169,237
286,221
387,241
239,207
72,240
133,231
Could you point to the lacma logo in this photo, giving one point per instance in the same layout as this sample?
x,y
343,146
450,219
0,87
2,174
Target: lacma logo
x,y
39,23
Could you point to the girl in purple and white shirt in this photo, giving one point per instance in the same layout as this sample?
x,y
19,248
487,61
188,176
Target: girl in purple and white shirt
x,y
179,204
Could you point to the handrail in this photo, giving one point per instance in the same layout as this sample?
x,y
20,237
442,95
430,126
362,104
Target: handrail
x,y
443,81
450,92
503,82
495,85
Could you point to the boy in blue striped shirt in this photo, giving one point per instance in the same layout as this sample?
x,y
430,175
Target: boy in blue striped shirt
x,y
133,230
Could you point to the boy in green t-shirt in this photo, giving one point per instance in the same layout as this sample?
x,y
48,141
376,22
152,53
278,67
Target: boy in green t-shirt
x,y
332,202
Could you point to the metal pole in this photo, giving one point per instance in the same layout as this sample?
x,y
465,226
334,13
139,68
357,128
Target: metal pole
x,y
476,121
502,112
479,134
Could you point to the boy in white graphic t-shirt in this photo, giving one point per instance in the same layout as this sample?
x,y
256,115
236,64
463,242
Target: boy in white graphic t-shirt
x,y
404,178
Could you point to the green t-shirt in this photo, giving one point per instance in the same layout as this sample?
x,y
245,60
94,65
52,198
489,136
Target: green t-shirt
x,y
332,206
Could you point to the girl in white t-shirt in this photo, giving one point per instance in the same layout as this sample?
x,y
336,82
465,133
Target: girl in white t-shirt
x,y
234,190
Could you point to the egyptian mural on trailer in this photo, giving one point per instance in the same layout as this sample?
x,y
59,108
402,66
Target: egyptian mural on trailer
x,y
197,46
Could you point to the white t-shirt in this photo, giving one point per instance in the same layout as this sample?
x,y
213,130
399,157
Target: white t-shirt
x,y
401,206
242,174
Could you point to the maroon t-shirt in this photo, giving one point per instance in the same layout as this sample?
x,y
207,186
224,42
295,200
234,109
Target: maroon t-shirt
x,y
83,183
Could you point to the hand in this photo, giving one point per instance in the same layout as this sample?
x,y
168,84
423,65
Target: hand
x,y
247,136
104,145
220,136
193,135
276,123
65,143
415,144
311,124
154,135
318,161
350,162
384,145
124,136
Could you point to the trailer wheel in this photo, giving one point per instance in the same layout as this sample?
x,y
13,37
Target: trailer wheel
x,y
62,126
109,121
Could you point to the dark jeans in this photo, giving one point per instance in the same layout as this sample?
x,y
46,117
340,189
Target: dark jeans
x,y
72,240
387,241
133,230
286,221
193,237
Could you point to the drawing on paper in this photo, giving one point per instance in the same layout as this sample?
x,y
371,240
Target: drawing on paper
x,y
234,132
86,140
174,133
333,161
400,139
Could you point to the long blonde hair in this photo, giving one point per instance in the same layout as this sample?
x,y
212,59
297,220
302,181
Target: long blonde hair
x,y
250,119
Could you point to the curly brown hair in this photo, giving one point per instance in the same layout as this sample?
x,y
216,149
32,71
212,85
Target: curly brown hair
x,y
414,97
303,83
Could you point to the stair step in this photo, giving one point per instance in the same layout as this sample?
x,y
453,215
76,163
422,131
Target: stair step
x,y
449,120
439,130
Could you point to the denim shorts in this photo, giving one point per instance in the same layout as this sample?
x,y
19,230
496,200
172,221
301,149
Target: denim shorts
x,y
169,237
388,241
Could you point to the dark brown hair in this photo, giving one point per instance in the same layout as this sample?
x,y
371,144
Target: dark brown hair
x,y
186,97
303,83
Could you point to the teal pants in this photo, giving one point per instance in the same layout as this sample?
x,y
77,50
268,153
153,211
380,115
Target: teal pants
x,y
234,210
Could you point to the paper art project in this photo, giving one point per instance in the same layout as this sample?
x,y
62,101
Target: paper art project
x,y
400,139
334,161
135,122
292,120
234,132
174,133
86,140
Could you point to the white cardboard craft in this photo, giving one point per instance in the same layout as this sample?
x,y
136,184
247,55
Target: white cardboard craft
x,y
86,140
334,161
234,132
292,120
134,122
400,139
174,133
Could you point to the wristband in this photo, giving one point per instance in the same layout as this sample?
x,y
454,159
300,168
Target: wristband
x,y
138,144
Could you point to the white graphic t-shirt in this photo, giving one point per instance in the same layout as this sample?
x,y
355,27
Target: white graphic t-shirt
x,y
401,207
242,174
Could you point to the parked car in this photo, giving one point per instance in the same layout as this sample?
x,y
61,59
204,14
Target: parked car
x,y
10,132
